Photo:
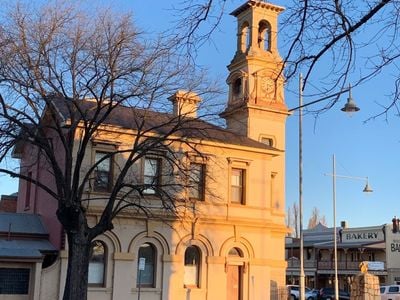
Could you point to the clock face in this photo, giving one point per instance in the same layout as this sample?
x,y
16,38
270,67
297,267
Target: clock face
x,y
268,85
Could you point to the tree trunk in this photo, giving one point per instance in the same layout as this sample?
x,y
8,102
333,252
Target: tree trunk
x,y
78,264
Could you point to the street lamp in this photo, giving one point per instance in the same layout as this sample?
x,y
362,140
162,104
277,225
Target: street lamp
x,y
367,189
350,107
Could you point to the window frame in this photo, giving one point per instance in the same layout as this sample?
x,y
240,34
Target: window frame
x,y
139,284
110,172
104,267
25,285
241,187
197,267
157,182
267,140
198,185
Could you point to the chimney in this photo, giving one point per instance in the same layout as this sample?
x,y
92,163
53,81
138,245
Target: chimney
x,y
185,103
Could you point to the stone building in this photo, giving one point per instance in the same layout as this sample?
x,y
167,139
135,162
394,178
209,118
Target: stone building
x,y
230,244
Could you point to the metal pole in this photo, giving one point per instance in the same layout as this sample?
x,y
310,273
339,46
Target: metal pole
x,y
302,277
334,227
140,283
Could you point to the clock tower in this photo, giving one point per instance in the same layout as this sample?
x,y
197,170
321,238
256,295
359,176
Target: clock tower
x,y
256,106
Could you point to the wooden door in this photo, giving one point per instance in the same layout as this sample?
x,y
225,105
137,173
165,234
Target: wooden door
x,y
233,283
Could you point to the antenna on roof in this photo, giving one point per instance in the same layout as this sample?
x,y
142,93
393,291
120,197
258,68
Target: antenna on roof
x,y
9,232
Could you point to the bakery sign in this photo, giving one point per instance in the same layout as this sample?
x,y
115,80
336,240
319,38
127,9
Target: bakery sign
x,y
362,236
395,245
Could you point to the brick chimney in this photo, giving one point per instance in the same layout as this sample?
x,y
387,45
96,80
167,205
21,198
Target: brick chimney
x,y
8,203
185,103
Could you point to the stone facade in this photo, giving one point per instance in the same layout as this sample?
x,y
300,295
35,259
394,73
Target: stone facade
x,y
227,245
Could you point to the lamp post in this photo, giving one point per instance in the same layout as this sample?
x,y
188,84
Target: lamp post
x,y
350,107
367,189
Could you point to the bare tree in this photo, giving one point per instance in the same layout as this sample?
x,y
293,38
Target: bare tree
x,y
53,58
288,220
315,218
292,220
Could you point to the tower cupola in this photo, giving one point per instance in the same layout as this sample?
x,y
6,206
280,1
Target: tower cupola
x,y
256,82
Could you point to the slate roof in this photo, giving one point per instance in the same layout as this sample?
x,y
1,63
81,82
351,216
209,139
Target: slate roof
x,y
21,224
159,122
25,248
23,236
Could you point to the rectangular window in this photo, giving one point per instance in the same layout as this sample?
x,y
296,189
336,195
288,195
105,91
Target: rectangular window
x,y
102,172
28,191
151,175
14,281
267,141
237,185
197,181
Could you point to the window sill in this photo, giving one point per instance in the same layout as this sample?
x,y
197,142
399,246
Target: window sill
x,y
191,287
237,204
99,289
197,199
99,192
146,289
152,196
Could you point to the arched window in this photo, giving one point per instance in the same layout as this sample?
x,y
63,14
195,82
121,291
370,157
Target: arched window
x,y
235,252
192,267
97,263
264,35
245,37
146,265
237,86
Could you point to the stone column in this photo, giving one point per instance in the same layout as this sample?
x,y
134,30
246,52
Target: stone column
x,y
124,284
365,286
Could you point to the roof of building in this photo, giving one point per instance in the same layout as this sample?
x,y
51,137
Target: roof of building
x,y
318,228
24,248
23,236
322,237
251,3
158,122
22,224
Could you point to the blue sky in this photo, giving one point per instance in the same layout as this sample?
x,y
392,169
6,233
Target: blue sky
x,y
362,148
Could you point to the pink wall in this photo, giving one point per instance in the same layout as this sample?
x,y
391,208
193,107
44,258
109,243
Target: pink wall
x,y
40,202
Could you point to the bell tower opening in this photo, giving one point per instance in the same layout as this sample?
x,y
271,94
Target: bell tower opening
x,y
237,86
244,37
264,36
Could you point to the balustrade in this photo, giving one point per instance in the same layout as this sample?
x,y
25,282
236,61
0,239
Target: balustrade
x,y
325,265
